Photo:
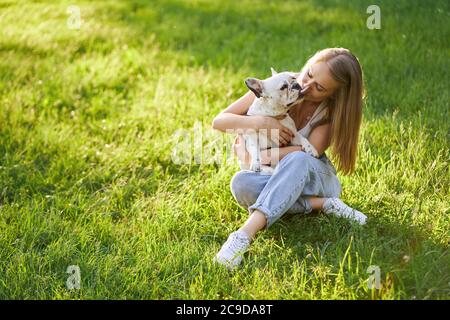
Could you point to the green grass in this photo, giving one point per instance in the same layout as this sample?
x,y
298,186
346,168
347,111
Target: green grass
x,y
87,124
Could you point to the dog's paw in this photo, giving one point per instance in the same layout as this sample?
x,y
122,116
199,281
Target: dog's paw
x,y
308,148
255,166
267,170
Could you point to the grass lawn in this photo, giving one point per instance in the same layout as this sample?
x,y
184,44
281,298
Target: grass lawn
x,y
88,127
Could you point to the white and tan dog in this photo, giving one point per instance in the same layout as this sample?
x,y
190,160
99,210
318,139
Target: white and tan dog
x,y
274,97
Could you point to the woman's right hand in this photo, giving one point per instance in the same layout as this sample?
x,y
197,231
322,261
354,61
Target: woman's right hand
x,y
285,135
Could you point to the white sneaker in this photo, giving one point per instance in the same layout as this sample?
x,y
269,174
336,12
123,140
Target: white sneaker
x,y
230,255
338,208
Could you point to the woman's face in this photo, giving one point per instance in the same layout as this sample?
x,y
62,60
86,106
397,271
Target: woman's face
x,y
318,82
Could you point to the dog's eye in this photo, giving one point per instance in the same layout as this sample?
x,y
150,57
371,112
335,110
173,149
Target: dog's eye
x,y
284,86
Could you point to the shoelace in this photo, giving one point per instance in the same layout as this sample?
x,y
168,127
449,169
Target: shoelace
x,y
343,211
238,243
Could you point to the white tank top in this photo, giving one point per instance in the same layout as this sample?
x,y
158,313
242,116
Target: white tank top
x,y
316,117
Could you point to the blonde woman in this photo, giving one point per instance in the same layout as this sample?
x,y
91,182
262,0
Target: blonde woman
x,y
328,116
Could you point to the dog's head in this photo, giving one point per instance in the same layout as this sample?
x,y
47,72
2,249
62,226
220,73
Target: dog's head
x,y
281,89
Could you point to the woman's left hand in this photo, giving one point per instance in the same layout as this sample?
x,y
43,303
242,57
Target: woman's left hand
x,y
240,151
266,156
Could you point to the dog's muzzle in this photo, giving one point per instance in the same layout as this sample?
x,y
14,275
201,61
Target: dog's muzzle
x,y
300,94
297,86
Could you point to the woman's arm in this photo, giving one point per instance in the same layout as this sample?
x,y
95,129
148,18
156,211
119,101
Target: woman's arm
x,y
234,116
319,138
234,119
268,156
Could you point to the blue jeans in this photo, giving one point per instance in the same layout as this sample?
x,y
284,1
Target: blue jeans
x,y
297,175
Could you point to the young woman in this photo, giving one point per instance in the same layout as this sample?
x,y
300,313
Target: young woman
x,y
328,116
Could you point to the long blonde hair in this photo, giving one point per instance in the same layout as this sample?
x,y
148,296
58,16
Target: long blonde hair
x,y
344,107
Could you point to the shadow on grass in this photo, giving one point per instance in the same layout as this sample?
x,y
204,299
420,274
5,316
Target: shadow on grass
x,y
408,259
285,35
233,36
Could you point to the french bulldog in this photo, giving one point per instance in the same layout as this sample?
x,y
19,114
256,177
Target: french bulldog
x,y
274,97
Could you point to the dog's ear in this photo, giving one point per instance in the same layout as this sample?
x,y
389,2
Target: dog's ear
x,y
255,85
273,71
